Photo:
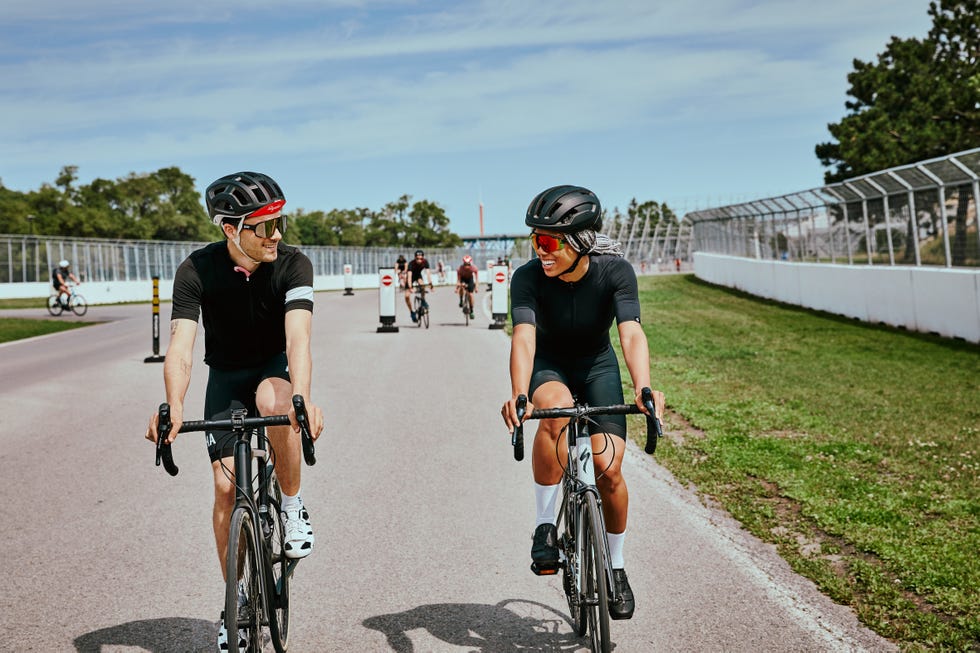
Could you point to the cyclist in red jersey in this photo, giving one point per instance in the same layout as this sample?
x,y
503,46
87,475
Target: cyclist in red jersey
x,y
467,278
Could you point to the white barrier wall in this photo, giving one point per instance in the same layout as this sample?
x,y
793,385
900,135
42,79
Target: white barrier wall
x,y
933,300
114,292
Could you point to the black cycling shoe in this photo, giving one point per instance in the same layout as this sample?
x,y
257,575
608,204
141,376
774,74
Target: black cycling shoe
x,y
544,550
623,609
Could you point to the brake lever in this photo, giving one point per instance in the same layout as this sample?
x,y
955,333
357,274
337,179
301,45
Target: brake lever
x,y
654,428
517,439
164,452
309,451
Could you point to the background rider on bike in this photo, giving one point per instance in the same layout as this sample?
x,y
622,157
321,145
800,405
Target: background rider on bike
x,y
413,275
60,277
256,298
562,306
467,277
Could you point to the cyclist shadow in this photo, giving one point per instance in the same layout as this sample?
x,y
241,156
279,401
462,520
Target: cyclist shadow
x,y
153,635
511,625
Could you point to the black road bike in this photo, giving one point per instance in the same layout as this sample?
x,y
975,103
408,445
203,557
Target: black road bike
x,y
258,571
420,306
587,576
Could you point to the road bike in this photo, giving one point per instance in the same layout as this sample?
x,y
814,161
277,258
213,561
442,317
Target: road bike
x,y
467,306
74,302
421,307
257,570
587,575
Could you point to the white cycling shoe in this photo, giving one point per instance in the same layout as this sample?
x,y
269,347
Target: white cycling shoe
x,y
299,533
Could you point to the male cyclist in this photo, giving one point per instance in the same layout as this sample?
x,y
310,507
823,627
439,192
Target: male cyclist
x,y
562,305
256,297
414,275
467,276
60,277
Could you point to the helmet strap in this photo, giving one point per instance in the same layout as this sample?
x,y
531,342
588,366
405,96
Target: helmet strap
x,y
237,240
571,268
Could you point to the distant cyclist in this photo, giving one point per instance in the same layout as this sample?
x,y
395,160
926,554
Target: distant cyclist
x,y
418,269
256,298
60,277
467,276
562,305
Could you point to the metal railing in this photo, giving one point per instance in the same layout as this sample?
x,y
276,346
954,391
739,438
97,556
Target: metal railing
x,y
924,213
25,258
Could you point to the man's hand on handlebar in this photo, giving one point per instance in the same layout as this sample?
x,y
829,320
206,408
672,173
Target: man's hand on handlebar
x,y
509,412
314,414
176,419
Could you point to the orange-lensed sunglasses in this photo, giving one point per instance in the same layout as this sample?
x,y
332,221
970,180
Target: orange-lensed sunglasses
x,y
546,243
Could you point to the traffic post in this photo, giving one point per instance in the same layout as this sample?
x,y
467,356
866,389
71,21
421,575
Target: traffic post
x,y
348,279
156,357
386,300
498,296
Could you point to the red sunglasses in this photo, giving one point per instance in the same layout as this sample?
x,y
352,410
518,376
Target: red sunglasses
x,y
547,244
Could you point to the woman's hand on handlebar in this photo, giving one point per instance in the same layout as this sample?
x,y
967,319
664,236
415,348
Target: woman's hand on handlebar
x,y
658,402
509,412
176,419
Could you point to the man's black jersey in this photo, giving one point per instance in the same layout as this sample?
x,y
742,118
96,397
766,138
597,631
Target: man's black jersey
x,y
244,316
415,269
573,319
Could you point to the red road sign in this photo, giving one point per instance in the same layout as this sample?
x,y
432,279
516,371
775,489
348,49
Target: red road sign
x,y
386,280
499,277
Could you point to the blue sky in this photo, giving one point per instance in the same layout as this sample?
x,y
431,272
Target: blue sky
x,y
352,103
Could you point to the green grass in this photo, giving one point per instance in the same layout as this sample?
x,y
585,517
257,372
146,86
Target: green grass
x,y
854,448
26,302
15,328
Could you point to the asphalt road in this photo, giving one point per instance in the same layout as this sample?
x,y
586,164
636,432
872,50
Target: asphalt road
x,y
422,517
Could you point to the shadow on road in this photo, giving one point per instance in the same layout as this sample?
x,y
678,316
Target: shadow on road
x,y
511,625
154,635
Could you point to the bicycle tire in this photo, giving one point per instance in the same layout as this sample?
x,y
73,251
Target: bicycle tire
x,y
425,316
573,569
243,568
54,306
467,309
278,577
78,305
594,575
417,304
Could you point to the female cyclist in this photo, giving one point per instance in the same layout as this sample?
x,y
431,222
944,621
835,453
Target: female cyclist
x,y
562,306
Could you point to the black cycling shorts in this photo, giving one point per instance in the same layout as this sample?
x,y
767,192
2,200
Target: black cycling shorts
x,y
469,284
228,389
593,380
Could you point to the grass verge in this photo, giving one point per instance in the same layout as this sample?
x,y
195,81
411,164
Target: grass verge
x,y
16,328
855,449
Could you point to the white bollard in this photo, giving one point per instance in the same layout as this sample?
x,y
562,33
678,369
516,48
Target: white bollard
x,y
348,279
387,281
499,285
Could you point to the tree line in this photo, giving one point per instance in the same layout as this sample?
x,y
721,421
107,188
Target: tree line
x,y
165,205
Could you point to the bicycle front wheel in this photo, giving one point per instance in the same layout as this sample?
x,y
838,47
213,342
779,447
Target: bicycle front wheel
x,y
78,305
278,588
417,304
243,596
595,592
424,316
54,305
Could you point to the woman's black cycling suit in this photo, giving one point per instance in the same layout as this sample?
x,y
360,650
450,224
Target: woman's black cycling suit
x,y
244,324
572,322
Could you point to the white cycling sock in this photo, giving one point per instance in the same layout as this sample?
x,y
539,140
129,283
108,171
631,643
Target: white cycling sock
x,y
291,502
545,498
616,548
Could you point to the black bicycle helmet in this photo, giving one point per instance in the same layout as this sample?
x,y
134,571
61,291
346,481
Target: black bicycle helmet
x,y
240,194
565,209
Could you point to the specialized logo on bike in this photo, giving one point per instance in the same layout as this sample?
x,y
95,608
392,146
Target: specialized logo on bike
x,y
585,458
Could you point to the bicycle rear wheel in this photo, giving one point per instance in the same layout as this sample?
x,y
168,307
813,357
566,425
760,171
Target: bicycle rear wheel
x,y
278,579
595,592
243,596
54,306
78,305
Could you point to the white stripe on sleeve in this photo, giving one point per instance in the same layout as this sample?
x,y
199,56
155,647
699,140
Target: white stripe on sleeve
x,y
300,292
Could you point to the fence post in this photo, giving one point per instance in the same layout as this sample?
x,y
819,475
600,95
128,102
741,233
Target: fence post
x,y
156,357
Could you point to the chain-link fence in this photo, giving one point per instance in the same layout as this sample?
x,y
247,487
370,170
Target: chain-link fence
x,y
33,258
919,214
